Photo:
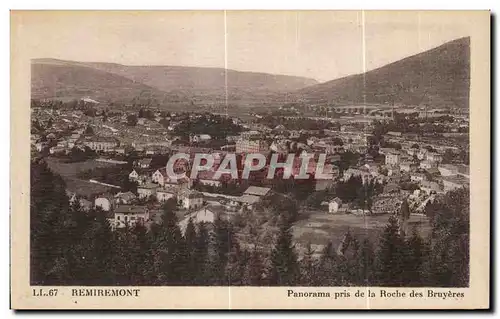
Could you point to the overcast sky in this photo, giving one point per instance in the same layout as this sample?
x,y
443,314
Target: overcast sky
x,y
320,45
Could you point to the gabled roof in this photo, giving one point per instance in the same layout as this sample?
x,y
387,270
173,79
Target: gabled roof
x,y
336,200
259,191
130,209
162,171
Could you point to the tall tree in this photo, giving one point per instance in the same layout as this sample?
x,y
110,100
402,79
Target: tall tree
x,y
254,270
201,255
284,266
223,242
308,268
172,249
328,267
48,220
448,263
417,253
190,237
391,255
365,264
404,215
235,266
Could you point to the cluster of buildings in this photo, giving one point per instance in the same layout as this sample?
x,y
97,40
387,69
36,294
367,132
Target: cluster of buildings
x,y
127,209
425,168
418,162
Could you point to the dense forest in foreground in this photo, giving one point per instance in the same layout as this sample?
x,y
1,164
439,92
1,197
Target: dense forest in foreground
x,y
73,247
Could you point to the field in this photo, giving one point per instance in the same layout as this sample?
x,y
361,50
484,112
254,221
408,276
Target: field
x,y
319,228
72,169
69,171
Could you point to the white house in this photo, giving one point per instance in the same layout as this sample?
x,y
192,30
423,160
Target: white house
x,y
138,175
334,205
125,198
147,190
105,202
164,194
206,215
130,215
190,199
207,178
160,176
133,176
392,158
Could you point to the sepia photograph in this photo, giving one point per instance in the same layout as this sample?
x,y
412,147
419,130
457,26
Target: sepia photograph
x,y
291,149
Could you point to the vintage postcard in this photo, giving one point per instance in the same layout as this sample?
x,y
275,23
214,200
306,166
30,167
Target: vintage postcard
x,y
250,159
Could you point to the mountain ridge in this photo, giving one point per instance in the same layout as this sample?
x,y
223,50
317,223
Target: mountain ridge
x,y
183,82
437,77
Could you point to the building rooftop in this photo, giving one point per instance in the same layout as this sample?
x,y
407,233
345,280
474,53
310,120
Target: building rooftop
x,y
248,199
126,196
148,186
336,200
130,209
255,190
191,194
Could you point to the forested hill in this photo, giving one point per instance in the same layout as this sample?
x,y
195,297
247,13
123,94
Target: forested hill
x,y
53,78
438,77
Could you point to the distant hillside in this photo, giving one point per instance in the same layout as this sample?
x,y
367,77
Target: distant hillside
x,y
438,77
173,78
51,80
57,78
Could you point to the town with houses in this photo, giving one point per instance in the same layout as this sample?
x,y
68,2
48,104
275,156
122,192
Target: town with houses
x,y
287,153
113,158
